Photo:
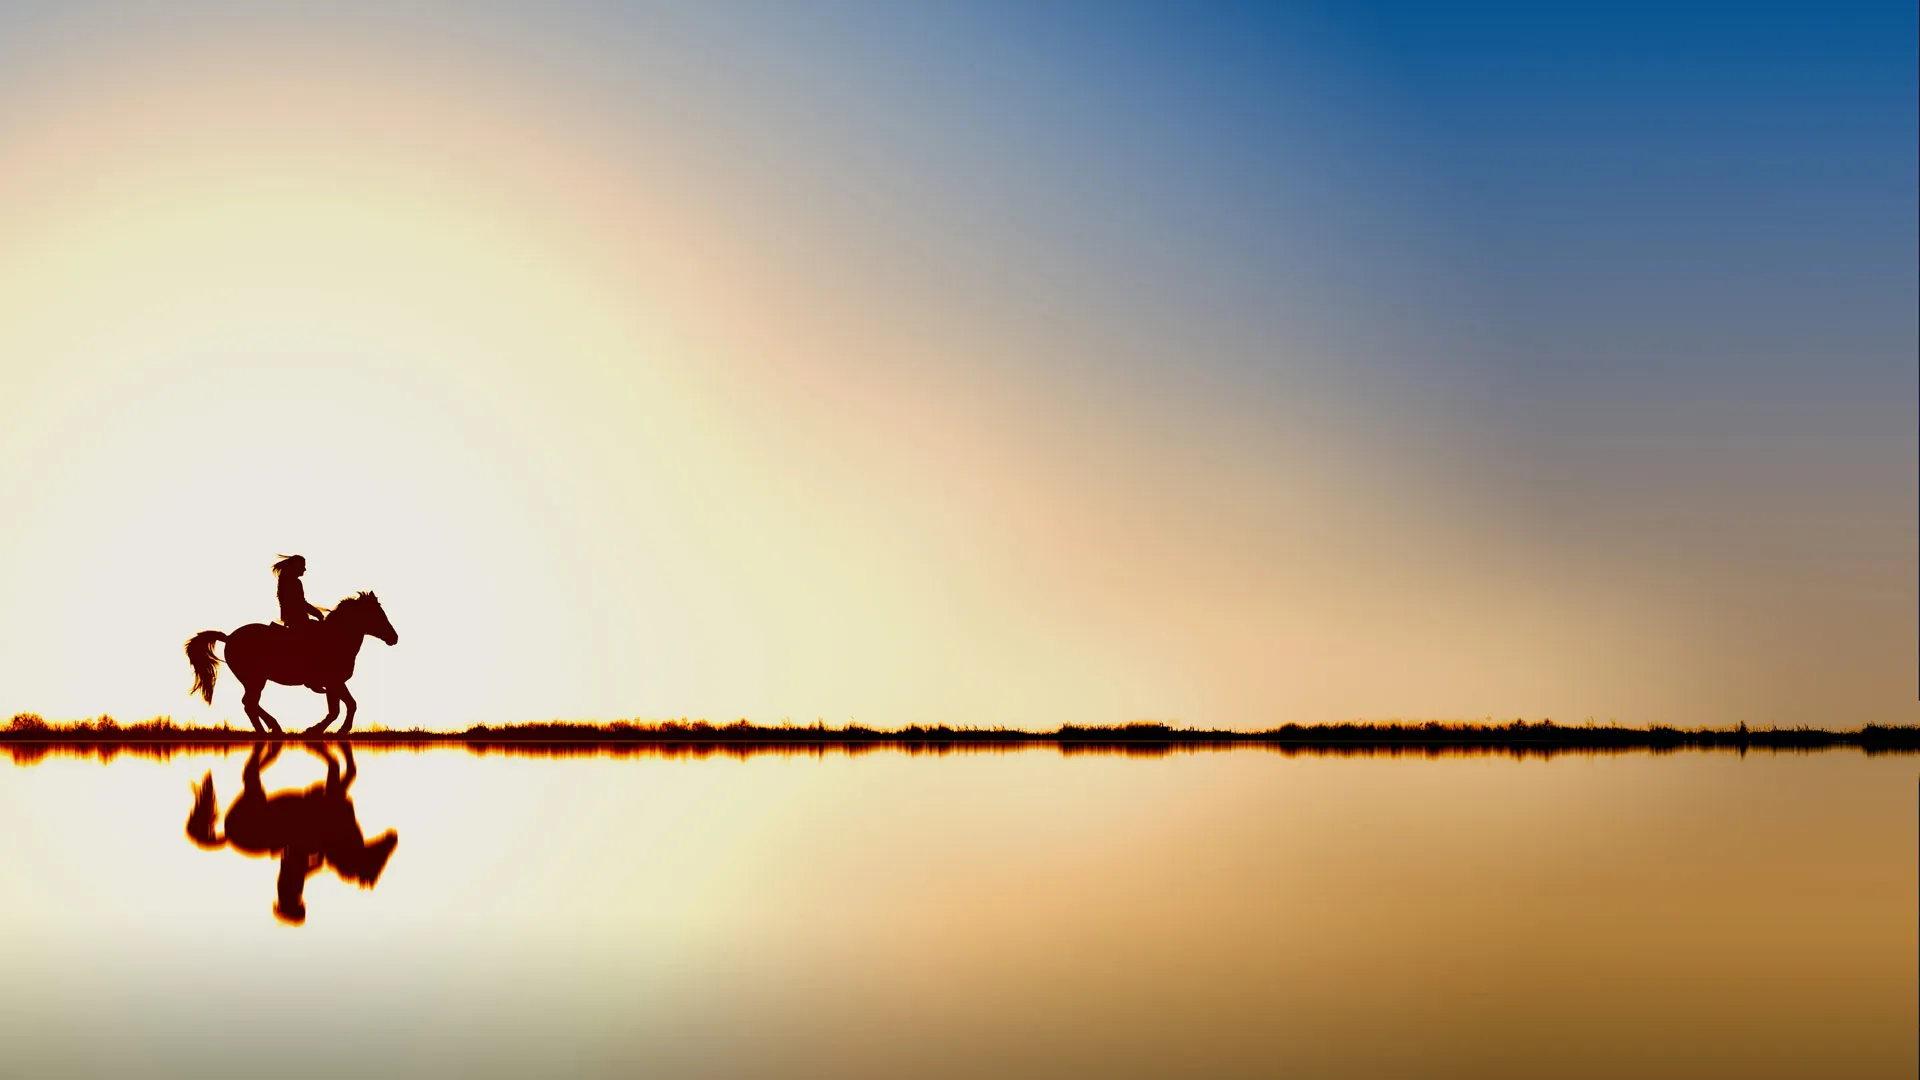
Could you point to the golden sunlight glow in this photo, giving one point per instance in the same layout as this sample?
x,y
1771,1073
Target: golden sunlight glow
x,y
613,437
232,352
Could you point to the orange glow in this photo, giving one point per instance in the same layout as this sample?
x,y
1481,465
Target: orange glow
x,y
1100,908
612,437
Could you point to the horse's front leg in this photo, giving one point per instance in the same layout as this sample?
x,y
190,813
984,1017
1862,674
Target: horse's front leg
x,y
352,707
333,709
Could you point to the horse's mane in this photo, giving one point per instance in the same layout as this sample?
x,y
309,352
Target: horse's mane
x,y
361,597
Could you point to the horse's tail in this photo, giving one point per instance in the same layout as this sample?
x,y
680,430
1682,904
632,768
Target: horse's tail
x,y
206,812
200,655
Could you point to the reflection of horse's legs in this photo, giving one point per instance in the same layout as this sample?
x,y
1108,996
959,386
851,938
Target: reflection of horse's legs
x,y
351,707
319,750
333,709
251,701
262,756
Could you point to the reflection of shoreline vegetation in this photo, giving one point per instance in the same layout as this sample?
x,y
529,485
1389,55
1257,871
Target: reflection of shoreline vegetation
x,y
28,738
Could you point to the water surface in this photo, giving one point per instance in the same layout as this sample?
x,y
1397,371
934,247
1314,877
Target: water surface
x,y
978,914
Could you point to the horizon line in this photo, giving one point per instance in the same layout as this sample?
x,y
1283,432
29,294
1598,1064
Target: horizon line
x,y
30,728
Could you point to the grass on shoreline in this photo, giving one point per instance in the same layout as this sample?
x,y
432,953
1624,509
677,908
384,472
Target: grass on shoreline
x,y
27,729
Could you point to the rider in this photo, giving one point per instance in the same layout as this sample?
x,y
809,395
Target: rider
x,y
295,612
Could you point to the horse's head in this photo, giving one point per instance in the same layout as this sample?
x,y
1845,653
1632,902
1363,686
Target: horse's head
x,y
364,613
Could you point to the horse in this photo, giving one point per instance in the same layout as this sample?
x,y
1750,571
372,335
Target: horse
x,y
306,829
319,657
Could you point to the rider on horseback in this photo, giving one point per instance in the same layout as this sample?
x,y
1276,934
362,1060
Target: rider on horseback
x,y
295,612
302,651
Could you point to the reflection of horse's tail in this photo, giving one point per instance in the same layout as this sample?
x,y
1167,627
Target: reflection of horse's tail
x,y
200,823
200,655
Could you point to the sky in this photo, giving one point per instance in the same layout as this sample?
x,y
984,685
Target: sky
x,y
969,364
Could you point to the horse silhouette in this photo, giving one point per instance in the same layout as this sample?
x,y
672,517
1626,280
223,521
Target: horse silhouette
x,y
320,659
306,829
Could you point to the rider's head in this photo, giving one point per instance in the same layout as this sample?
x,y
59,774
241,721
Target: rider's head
x,y
293,565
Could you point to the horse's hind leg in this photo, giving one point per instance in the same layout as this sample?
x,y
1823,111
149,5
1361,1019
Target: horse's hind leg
x,y
255,712
250,701
333,709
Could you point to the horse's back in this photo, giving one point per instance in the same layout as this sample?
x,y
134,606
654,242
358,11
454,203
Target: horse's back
x,y
258,649
252,632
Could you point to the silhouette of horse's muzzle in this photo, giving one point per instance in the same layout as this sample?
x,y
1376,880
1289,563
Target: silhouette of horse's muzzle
x,y
391,637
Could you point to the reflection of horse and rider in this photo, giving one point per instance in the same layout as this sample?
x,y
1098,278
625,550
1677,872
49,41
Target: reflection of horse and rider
x,y
310,646
305,829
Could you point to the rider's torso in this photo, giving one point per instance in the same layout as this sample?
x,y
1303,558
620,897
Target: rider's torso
x,y
293,601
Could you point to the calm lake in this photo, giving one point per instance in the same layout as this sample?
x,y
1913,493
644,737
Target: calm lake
x,y
1031,913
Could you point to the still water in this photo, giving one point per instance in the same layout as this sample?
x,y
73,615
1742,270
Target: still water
x,y
1237,913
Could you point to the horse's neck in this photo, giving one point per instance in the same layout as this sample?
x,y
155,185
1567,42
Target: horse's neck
x,y
346,639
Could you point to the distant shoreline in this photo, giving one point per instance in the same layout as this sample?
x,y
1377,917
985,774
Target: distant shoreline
x,y
26,733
